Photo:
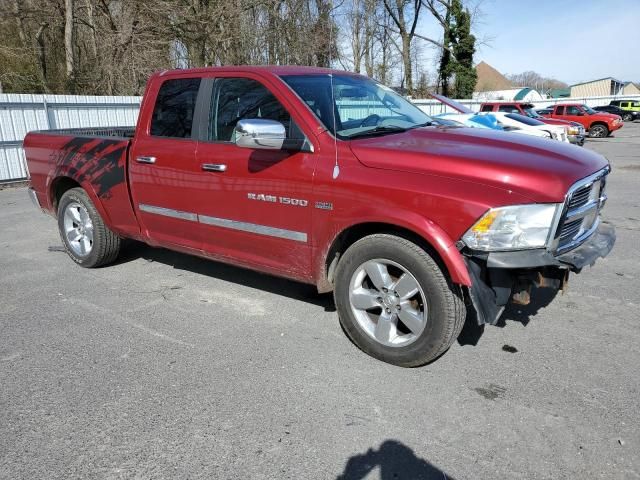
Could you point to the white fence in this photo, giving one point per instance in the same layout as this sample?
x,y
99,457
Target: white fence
x,y
21,113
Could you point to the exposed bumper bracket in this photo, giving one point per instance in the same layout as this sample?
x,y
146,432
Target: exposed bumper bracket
x,y
495,275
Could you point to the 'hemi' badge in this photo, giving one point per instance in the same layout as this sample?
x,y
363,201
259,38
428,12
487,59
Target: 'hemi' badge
x,y
324,205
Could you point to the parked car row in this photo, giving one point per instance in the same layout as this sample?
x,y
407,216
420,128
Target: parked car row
x,y
577,119
575,131
512,118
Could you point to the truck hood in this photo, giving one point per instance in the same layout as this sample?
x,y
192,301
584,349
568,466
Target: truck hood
x,y
539,169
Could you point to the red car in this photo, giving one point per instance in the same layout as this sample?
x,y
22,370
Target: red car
x,y
598,124
330,178
575,131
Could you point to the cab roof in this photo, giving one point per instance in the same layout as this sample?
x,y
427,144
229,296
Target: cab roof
x,y
271,69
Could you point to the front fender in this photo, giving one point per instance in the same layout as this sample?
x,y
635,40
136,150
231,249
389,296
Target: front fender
x,y
425,228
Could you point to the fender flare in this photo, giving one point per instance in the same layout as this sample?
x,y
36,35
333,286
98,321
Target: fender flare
x,y
71,173
423,227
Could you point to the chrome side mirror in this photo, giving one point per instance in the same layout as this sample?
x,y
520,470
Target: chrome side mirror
x,y
260,133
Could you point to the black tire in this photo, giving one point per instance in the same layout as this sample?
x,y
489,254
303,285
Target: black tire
x,y
598,131
446,309
627,117
106,244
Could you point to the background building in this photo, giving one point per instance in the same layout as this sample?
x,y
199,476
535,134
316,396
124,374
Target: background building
x,y
631,88
597,88
490,79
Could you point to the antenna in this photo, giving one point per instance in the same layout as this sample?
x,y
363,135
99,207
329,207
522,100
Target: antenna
x,y
336,167
334,106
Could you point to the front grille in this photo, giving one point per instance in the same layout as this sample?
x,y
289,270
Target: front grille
x,y
580,216
570,229
580,197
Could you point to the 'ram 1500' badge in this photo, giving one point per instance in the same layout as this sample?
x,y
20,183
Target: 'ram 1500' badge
x,y
297,202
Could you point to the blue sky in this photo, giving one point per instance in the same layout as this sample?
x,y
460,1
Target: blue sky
x,y
571,40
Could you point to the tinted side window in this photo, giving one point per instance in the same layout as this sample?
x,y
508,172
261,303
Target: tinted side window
x,y
508,109
235,99
573,111
487,108
559,110
173,113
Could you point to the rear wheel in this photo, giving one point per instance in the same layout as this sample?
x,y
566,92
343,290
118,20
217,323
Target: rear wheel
x,y
598,131
86,238
395,303
627,117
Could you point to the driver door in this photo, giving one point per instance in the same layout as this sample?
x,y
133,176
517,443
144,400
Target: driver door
x,y
255,206
574,113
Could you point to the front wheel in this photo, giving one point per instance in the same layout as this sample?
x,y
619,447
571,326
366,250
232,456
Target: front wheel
x,y
598,131
627,117
395,303
86,238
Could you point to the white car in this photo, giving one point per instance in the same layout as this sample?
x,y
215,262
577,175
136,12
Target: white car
x,y
492,121
511,122
521,124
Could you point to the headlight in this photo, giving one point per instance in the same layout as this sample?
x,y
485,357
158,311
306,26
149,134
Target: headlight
x,y
573,130
517,227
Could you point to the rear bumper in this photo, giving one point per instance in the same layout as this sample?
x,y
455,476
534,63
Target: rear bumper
x,y
34,198
497,276
36,201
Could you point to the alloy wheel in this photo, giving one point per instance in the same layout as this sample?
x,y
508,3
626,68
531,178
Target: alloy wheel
x,y
78,229
388,302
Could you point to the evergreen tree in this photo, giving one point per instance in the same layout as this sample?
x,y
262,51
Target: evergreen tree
x,y
457,55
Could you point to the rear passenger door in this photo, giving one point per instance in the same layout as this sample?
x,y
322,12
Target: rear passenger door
x,y
163,167
255,205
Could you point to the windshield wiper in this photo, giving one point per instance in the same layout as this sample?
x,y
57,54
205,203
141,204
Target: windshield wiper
x,y
378,130
425,124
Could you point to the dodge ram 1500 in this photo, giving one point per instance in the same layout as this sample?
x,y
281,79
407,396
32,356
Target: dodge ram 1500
x,y
333,179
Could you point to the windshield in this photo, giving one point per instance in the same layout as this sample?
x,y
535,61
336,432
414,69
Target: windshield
x,y
526,120
588,109
532,113
359,105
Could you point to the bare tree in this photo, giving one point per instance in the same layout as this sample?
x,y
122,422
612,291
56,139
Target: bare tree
x,y
405,14
68,38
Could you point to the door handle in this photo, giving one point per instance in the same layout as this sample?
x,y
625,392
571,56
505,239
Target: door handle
x,y
214,167
146,159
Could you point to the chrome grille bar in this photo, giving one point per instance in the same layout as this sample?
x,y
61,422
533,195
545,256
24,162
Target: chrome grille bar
x,y
580,216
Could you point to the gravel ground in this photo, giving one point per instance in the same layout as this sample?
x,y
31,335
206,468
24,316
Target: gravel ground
x,y
168,366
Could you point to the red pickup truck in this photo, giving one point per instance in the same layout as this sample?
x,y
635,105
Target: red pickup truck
x,y
330,178
575,131
598,124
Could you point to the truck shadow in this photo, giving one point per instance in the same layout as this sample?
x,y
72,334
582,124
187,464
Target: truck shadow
x,y
395,461
470,335
280,286
540,298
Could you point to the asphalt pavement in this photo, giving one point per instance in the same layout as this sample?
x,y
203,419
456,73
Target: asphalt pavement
x,y
169,366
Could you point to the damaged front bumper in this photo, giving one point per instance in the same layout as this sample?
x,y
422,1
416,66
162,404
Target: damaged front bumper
x,y
499,277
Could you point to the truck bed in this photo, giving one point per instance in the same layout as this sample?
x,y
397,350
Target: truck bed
x,y
94,158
